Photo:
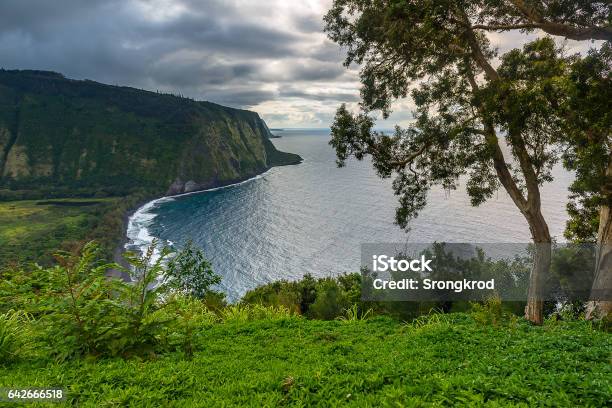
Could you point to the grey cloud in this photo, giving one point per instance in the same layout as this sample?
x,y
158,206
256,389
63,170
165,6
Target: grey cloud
x,y
316,70
34,16
311,23
238,97
206,71
276,117
212,51
291,92
327,51
241,38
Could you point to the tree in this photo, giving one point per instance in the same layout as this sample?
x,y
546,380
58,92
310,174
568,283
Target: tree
x,y
587,119
467,111
586,132
191,273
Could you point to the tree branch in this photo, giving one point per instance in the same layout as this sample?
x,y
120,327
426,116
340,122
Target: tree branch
x,y
499,162
561,29
504,27
408,160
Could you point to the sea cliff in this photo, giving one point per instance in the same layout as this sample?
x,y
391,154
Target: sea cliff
x,y
64,137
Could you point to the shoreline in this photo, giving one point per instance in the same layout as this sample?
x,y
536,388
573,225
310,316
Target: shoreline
x,y
127,217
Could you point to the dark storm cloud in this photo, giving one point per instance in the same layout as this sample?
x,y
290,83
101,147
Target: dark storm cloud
x,y
215,49
235,37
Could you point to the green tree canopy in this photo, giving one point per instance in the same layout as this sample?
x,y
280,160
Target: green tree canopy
x,y
573,19
494,126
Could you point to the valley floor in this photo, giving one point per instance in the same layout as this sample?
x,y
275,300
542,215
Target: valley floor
x,y
449,360
33,230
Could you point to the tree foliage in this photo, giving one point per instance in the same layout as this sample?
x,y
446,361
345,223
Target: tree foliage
x,y
573,19
189,272
493,126
586,135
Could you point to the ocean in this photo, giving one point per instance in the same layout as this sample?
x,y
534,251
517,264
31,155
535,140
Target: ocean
x,y
313,217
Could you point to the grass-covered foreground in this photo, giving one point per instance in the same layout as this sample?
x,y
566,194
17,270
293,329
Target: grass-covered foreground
x,y
167,338
437,360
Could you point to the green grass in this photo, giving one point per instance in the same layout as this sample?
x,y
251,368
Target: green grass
x,y
31,232
376,362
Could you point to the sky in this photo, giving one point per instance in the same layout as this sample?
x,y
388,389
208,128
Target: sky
x,y
270,56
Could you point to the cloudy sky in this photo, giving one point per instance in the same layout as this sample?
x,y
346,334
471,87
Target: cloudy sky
x,y
269,56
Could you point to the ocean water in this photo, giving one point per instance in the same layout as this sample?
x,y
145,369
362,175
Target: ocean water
x,y
313,217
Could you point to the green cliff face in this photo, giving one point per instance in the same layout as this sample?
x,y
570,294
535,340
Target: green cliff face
x,y
58,134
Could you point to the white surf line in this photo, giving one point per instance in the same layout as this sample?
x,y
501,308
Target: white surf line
x,y
138,233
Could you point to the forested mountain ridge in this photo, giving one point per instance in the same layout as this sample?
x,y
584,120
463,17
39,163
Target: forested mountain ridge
x,y
59,135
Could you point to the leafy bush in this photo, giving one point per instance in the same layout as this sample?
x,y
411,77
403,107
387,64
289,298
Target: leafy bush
x,y
15,336
260,312
189,317
24,290
493,312
83,311
242,313
190,272
323,298
81,303
331,301
353,314
140,317
434,318
236,314
78,309
215,301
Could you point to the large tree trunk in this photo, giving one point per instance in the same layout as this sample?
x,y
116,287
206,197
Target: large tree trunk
x,y
600,304
530,207
534,311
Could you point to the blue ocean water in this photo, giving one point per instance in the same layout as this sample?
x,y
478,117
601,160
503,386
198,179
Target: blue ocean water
x,y
313,217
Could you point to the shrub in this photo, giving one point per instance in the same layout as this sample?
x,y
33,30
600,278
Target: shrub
x,y
323,298
140,317
14,335
80,299
244,312
236,314
189,317
215,301
89,313
260,312
291,295
435,317
354,314
330,302
24,290
189,272
493,312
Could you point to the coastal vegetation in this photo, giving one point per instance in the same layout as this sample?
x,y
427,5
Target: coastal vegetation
x,y
117,140
499,121
32,230
106,342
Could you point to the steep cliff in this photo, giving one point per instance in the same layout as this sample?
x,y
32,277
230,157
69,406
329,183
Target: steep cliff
x,y
83,137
